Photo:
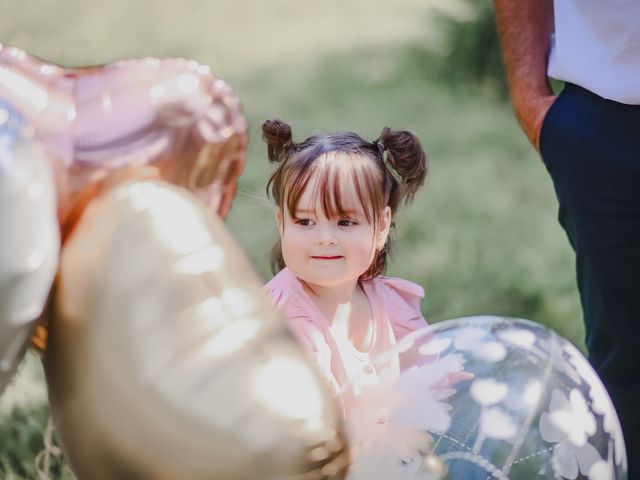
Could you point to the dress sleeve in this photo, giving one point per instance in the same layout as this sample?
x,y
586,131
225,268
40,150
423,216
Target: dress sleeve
x,y
403,304
306,332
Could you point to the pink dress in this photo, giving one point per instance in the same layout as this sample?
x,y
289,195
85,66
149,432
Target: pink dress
x,y
396,312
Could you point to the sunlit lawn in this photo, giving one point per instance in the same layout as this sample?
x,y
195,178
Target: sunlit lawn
x,y
481,237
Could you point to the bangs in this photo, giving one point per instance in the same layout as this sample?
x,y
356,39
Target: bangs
x,y
341,182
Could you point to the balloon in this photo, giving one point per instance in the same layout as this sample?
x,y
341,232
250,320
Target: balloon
x,y
173,115
30,241
489,397
166,359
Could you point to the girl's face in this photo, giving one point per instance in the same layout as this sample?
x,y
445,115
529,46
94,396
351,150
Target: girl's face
x,y
330,252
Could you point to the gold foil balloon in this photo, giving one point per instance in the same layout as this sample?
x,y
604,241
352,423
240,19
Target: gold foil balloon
x,y
29,237
165,358
167,361
171,114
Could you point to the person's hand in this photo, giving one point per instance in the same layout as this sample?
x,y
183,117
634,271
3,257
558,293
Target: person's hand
x,y
531,113
453,378
456,377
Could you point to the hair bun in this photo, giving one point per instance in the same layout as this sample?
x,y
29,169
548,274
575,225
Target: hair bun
x,y
277,136
406,156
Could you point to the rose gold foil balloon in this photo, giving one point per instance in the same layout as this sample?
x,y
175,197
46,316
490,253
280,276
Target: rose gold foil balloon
x,y
166,360
29,237
172,114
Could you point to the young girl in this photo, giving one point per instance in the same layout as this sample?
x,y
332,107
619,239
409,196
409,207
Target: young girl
x,y
335,197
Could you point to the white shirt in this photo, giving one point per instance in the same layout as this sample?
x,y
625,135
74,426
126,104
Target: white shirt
x,y
596,45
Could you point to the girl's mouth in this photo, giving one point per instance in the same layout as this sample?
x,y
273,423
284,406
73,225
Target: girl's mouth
x,y
326,257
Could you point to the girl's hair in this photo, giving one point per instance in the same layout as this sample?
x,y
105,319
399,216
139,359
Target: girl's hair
x,y
379,180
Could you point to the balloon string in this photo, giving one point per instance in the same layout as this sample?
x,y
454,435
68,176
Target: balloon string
x,y
43,458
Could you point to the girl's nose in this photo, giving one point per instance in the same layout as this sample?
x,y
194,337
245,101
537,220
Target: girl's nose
x,y
327,241
326,237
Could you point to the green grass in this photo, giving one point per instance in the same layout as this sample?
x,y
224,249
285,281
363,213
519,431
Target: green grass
x,y
481,237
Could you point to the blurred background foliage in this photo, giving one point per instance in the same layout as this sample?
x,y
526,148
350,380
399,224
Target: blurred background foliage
x,y
472,53
481,237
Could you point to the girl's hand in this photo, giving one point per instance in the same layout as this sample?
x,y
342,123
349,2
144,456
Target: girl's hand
x,y
453,378
456,377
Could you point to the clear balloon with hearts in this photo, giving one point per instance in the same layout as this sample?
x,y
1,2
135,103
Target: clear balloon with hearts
x,y
489,397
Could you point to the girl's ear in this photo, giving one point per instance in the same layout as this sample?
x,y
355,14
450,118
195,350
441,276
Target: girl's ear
x,y
279,219
385,226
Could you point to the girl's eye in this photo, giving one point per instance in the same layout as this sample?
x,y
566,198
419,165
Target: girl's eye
x,y
345,222
303,221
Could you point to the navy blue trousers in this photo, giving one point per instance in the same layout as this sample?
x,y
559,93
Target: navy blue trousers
x,y
591,148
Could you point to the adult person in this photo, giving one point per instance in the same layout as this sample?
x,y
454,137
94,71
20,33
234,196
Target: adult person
x,y
589,140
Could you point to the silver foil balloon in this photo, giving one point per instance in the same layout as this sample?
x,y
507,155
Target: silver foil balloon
x,y
173,115
166,359
29,239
